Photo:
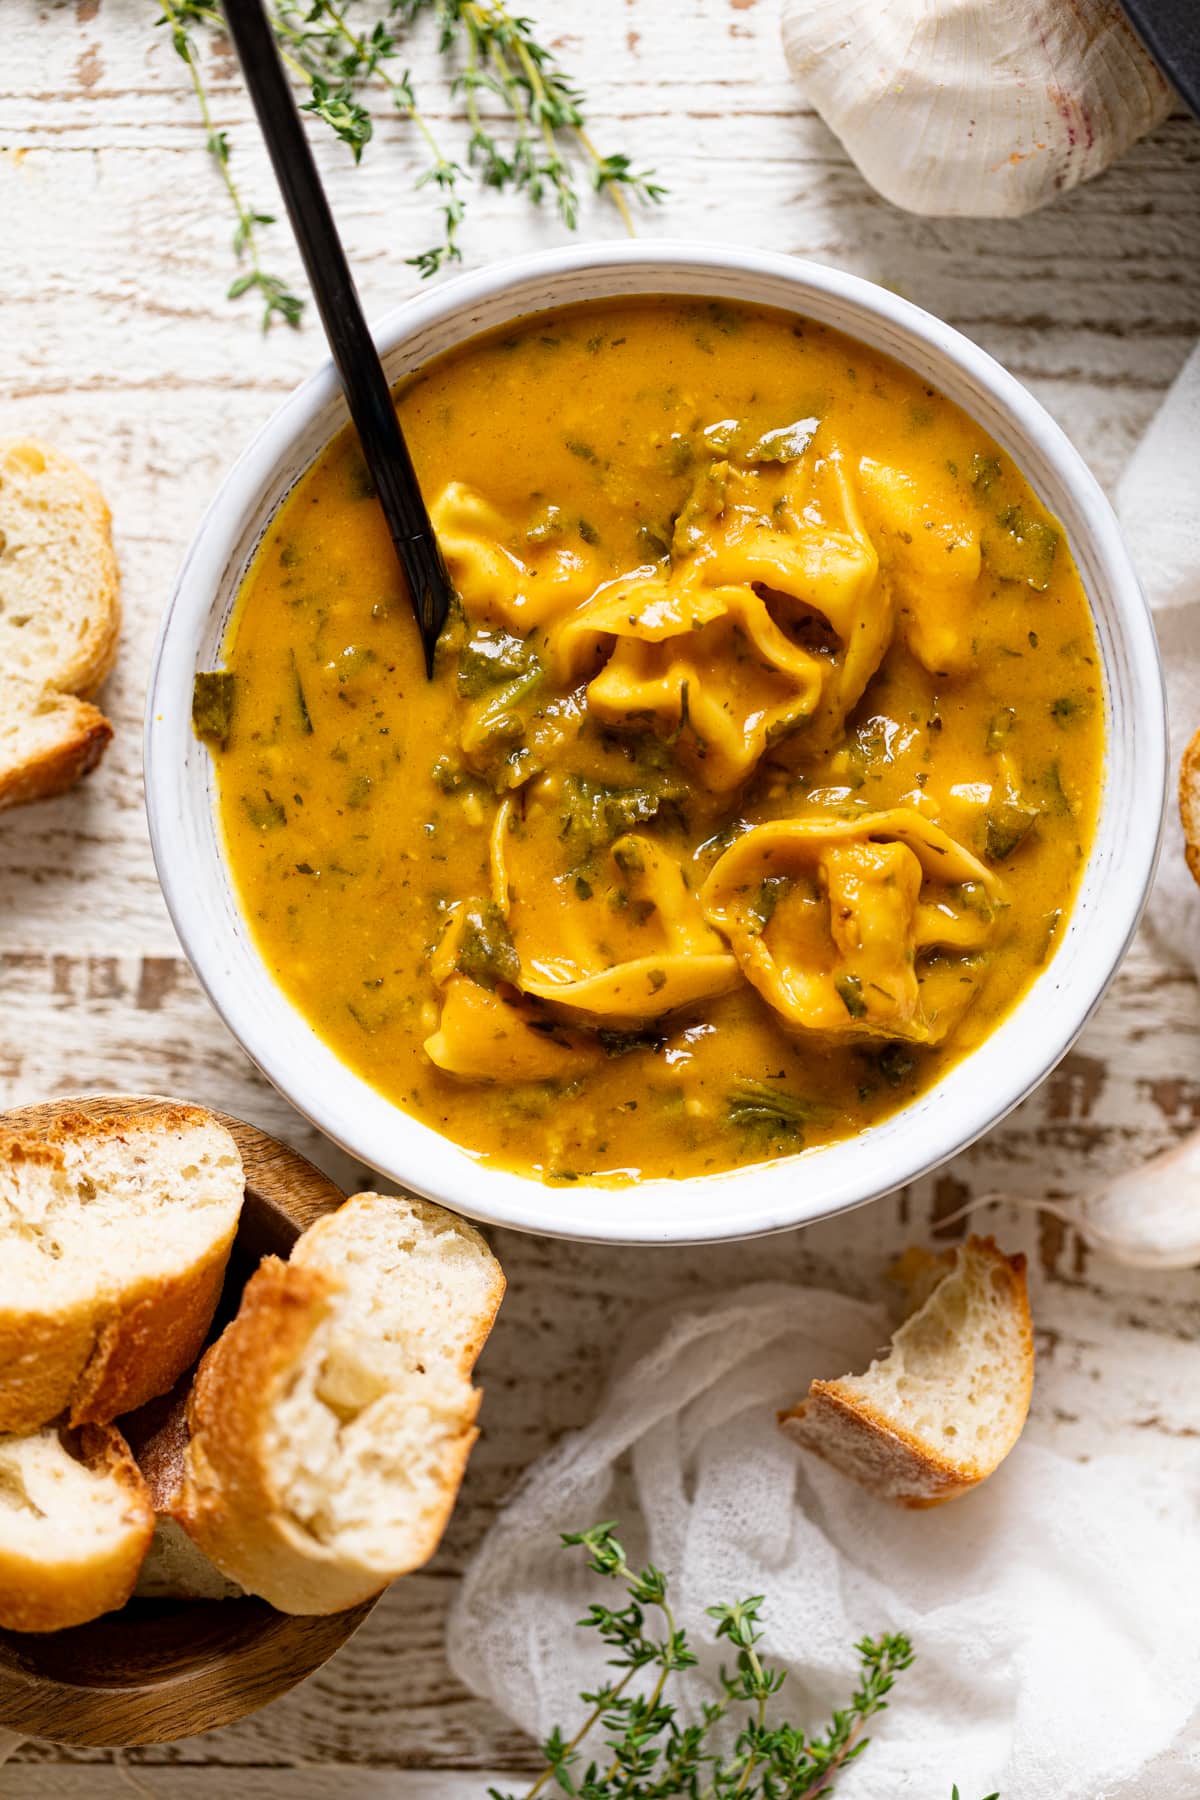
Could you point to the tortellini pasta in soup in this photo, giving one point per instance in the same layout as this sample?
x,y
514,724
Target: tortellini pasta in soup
x,y
868,926
757,770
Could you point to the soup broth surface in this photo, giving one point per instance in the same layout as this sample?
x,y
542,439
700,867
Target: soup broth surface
x,y
756,776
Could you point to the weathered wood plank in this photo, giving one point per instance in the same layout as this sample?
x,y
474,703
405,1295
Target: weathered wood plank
x,y
118,344
329,1782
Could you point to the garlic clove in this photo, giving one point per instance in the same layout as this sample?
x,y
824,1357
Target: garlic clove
x,y
1148,1218
983,108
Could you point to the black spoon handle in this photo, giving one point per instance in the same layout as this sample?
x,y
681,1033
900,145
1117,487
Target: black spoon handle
x,y
352,345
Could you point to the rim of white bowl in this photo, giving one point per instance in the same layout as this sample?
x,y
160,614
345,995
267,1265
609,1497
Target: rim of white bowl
x,y
978,1091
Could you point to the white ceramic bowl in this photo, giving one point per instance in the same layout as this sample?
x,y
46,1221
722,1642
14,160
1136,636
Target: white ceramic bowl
x,y
771,1197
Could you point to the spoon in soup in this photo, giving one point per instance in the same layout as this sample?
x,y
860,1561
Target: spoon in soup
x,y
355,356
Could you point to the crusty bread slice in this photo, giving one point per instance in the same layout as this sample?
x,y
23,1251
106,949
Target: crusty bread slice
x,y
943,1408
1189,804
48,740
75,1522
175,1568
60,609
60,617
332,1420
114,1235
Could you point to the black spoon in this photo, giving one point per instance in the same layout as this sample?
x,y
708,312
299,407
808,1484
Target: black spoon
x,y
354,353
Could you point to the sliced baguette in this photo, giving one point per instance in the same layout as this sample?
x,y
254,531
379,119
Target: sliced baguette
x,y
60,618
114,1235
48,740
942,1409
75,1523
1189,804
60,609
332,1420
175,1568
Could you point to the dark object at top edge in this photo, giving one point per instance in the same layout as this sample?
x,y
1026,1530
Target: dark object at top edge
x,y
1170,30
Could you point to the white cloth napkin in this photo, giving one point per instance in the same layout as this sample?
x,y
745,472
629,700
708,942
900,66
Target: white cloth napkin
x,y
1158,503
1053,1611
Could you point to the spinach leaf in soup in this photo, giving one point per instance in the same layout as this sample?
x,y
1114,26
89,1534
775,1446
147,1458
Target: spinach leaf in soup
x,y
214,693
486,952
489,658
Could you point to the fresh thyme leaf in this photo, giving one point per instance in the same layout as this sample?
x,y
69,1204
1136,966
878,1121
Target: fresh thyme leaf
x,y
348,56
278,299
648,1752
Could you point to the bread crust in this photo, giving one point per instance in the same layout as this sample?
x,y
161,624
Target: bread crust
x,y
108,1354
311,1244
876,1450
157,1435
37,1595
175,1567
229,1503
96,653
86,735
141,1350
862,1443
1189,804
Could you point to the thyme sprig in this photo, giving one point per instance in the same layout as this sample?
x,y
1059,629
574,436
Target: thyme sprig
x,y
278,299
649,1754
524,115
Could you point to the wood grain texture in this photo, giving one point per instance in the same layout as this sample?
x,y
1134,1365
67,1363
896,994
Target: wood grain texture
x,y
156,1671
119,346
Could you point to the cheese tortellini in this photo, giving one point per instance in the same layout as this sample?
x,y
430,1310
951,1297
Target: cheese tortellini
x,y
610,930
750,636
856,927
933,560
505,574
768,619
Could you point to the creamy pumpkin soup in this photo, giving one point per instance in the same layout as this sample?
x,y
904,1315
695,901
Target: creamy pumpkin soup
x,y
757,772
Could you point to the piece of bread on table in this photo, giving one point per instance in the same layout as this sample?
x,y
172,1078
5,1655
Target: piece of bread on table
x,y
60,618
114,1235
48,740
75,1523
1189,804
935,1415
175,1568
332,1420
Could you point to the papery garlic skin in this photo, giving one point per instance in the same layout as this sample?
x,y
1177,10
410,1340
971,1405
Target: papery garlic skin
x,y
1148,1218
980,108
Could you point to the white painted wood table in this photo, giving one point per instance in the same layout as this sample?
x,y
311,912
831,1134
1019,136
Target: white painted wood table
x,y
117,344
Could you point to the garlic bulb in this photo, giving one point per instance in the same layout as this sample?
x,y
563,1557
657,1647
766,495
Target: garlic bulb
x,y
986,108
1148,1218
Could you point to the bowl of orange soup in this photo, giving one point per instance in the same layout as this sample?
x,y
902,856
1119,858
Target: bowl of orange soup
x,y
786,791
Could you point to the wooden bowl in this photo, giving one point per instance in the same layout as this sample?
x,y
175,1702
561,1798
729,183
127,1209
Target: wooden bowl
x,y
162,1669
